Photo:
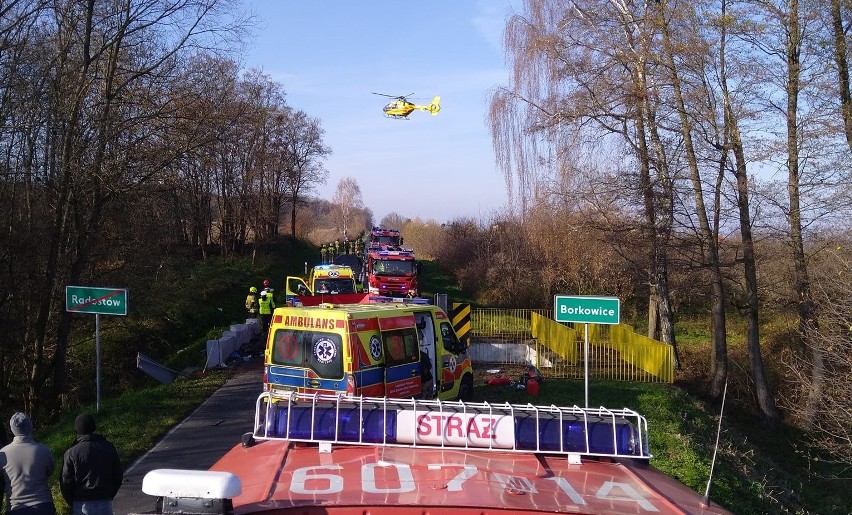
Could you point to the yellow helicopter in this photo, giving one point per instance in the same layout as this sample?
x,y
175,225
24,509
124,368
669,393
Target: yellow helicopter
x,y
401,107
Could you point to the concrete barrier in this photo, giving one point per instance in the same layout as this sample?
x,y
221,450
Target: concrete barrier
x,y
513,353
220,349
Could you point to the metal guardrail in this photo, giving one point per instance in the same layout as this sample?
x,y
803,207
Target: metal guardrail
x,y
341,419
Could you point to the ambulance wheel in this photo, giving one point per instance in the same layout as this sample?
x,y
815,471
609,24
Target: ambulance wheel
x,y
466,388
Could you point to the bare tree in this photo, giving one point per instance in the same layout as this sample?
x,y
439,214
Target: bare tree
x,y
97,76
347,199
840,31
300,156
786,35
585,71
831,419
263,182
690,49
394,220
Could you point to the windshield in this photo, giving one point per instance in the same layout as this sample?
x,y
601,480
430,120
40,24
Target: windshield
x,y
393,267
390,240
319,351
331,286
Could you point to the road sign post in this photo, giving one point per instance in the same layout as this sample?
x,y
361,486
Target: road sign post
x,y
97,301
587,310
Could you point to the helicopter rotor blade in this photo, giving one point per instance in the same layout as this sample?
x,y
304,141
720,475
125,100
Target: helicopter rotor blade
x,y
401,97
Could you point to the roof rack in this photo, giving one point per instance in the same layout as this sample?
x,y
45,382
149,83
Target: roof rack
x,y
341,419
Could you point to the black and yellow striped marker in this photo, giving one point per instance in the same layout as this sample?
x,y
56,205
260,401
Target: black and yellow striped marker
x,y
460,318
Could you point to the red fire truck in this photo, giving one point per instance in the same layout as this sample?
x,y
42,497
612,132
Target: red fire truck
x,y
390,273
383,238
315,454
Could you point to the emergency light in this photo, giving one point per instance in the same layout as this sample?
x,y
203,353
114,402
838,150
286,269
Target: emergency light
x,y
408,422
401,253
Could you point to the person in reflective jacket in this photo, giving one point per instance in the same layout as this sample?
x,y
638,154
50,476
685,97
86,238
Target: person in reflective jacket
x,y
267,306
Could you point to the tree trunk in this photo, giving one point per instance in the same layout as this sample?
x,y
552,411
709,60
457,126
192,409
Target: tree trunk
x,y
293,217
709,240
765,401
653,314
807,312
842,70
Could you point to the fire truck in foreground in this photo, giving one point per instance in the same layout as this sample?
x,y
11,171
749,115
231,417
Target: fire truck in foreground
x,y
337,454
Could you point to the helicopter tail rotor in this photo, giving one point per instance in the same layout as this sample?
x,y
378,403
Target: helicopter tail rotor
x,y
434,106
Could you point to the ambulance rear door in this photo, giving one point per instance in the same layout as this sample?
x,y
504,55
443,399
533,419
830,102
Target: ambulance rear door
x,y
452,359
402,355
308,359
426,336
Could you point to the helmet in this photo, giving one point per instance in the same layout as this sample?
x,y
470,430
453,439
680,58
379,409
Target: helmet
x,y
252,290
266,282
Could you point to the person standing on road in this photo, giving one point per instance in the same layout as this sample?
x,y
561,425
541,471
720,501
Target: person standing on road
x,y
251,302
91,471
267,306
27,466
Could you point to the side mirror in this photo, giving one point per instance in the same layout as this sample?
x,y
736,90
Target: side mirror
x,y
418,268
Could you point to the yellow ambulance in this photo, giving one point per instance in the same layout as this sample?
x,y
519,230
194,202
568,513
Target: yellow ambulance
x,y
322,280
391,349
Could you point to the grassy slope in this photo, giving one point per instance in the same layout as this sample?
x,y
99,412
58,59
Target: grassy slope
x,y
758,471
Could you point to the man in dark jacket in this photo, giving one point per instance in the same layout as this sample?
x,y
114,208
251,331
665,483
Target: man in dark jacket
x,y
91,471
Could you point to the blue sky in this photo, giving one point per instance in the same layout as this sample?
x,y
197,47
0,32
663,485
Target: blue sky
x,y
330,55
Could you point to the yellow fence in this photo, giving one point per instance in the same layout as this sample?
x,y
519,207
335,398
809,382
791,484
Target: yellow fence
x,y
615,351
645,353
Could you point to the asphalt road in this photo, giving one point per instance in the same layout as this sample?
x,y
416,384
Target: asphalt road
x,y
199,440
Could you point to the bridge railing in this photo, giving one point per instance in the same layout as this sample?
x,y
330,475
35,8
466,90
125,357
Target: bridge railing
x,y
508,337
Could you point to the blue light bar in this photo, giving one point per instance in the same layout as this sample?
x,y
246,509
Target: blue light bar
x,y
355,422
336,423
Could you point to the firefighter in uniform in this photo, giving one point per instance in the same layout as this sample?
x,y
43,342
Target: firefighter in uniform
x,y
324,253
266,306
336,247
251,302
